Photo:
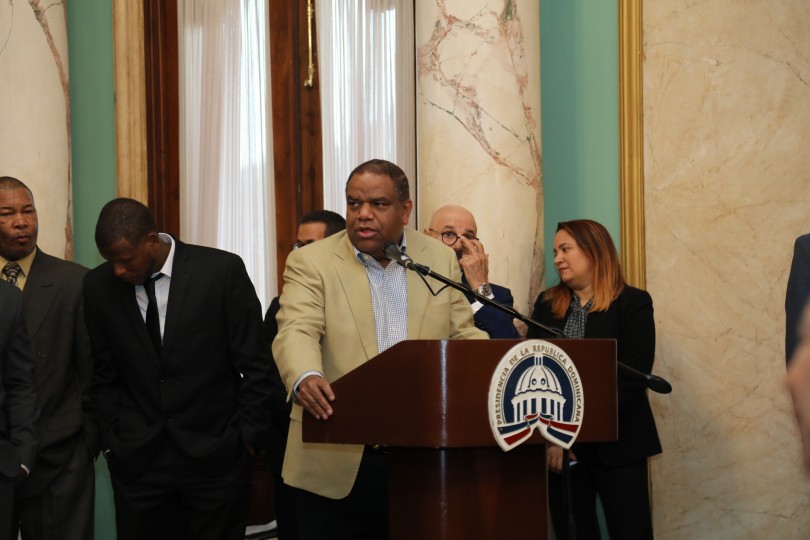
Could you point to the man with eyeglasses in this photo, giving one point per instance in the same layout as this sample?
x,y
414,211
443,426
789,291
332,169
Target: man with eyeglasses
x,y
315,225
456,227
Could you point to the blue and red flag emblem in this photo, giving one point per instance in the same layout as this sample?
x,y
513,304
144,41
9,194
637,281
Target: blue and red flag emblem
x,y
535,386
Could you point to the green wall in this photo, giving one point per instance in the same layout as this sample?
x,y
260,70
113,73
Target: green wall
x,y
579,84
90,54
580,115
92,113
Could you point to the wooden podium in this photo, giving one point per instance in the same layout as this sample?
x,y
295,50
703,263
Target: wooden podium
x,y
448,479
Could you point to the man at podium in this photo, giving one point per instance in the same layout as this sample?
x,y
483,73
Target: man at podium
x,y
343,303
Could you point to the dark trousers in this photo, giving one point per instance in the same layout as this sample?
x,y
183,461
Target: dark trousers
x,y
284,495
171,499
362,515
625,497
64,510
6,510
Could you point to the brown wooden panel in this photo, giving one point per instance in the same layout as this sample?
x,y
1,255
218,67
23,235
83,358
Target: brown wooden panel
x,y
457,494
284,69
163,112
310,117
297,150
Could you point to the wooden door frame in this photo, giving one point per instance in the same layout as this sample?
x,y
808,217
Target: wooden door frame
x,y
162,112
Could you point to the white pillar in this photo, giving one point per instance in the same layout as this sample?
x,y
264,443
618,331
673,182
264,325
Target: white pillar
x,y
478,128
35,113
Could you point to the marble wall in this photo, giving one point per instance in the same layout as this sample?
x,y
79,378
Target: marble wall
x,y
727,185
35,113
478,124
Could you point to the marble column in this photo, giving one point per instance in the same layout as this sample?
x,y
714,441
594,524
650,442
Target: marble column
x,y
35,113
727,190
478,128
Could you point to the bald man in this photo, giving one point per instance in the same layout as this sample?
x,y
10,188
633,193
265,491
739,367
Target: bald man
x,y
455,226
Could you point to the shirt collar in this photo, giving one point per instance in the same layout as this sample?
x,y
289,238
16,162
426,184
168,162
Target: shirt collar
x,y
168,265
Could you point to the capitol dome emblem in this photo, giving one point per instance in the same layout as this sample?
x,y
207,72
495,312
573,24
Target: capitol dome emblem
x,y
535,386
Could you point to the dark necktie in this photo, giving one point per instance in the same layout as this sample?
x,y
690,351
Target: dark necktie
x,y
152,314
11,271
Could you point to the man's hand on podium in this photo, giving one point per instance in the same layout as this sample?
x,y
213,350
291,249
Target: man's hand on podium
x,y
314,395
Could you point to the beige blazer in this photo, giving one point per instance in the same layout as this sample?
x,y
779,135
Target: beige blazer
x,y
326,323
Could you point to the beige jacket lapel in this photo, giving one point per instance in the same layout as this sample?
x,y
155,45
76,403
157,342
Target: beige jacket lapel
x,y
358,295
418,294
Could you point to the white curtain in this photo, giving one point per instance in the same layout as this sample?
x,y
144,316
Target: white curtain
x,y
367,83
226,173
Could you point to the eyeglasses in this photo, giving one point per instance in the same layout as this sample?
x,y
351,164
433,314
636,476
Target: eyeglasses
x,y
450,238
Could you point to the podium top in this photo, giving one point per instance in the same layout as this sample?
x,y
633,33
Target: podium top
x,y
433,393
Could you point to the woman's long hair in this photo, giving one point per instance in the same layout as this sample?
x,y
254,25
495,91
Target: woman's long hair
x,y
594,240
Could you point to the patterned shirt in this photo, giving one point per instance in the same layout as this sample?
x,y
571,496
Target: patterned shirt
x,y
389,299
578,318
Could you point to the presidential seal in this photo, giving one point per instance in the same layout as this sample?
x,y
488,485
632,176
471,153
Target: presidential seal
x,y
535,386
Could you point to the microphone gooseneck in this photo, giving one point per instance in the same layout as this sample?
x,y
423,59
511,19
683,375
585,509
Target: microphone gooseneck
x,y
392,251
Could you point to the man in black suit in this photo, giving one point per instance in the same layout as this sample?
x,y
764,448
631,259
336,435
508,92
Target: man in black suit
x,y
315,225
799,382
182,383
798,292
18,404
456,227
57,500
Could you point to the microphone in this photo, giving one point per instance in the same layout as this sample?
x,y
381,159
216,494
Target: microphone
x,y
393,252
655,383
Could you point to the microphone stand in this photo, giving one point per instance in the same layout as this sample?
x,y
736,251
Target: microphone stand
x,y
425,271
653,382
568,495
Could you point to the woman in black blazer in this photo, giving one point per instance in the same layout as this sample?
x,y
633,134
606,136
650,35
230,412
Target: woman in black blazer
x,y
593,301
